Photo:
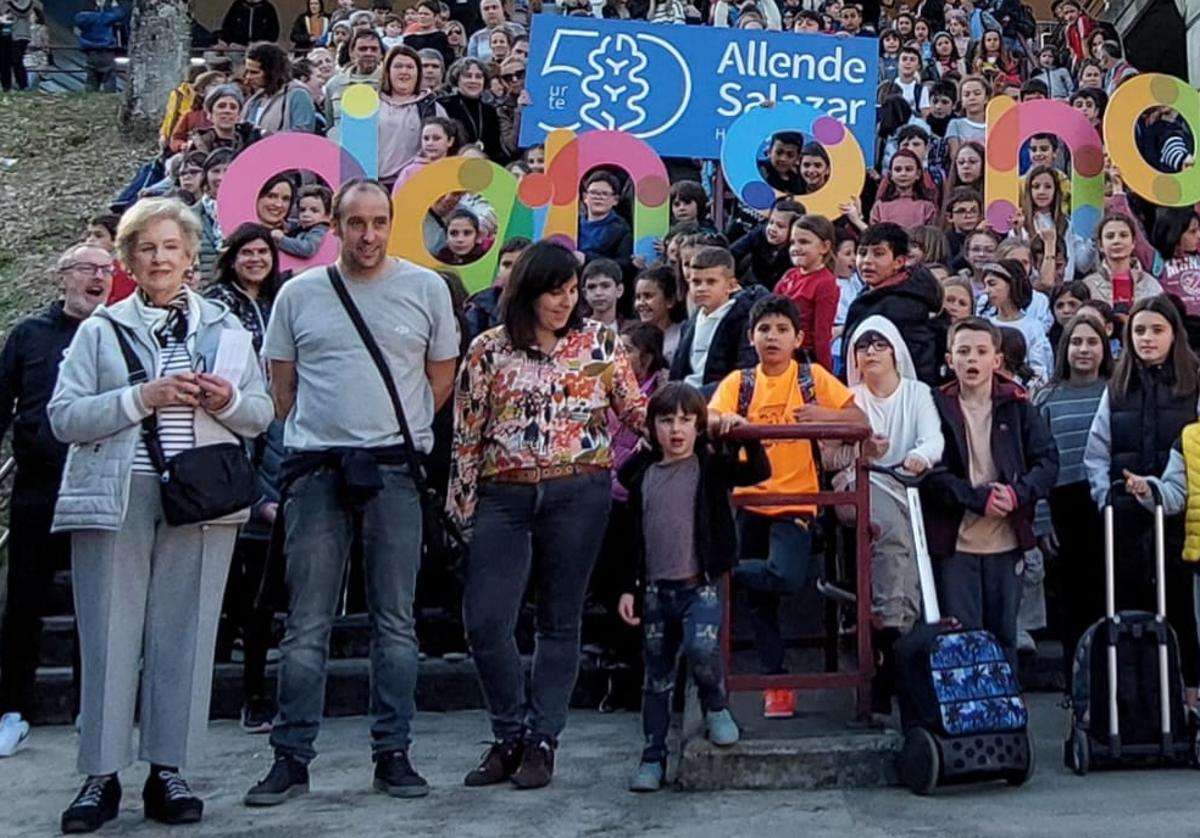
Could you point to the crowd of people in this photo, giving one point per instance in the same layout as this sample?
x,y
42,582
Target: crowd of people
x,y
572,429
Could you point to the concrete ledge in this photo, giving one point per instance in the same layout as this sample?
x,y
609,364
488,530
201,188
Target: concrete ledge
x,y
849,760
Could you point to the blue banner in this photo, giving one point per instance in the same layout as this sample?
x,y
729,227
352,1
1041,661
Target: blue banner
x,y
679,87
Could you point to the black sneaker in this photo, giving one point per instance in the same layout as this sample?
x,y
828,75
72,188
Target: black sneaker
x,y
394,775
168,799
537,765
257,715
95,805
497,763
287,778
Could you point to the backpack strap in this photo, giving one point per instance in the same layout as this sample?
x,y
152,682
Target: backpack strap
x,y
804,377
745,391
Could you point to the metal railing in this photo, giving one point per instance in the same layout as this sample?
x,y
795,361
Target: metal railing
x,y
858,679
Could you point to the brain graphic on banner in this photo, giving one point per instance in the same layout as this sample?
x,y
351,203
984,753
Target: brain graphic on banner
x,y
679,88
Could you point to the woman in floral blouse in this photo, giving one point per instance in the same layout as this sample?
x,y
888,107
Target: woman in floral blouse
x,y
531,479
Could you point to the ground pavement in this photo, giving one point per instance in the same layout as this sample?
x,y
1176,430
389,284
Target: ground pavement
x,y
588,798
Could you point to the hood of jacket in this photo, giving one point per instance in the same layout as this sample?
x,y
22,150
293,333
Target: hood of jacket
x,y
885,327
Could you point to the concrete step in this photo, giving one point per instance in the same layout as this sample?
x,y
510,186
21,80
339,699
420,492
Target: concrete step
x,y
820,748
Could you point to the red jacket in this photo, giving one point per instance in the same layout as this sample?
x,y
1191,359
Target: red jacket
x,y
1078,34
816,295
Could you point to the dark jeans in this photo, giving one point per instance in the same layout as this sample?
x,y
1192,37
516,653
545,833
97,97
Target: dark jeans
x,y
319,529
245,578
983,592
1079,568
678,615
549,531
787,543
101,72
12,64
34,554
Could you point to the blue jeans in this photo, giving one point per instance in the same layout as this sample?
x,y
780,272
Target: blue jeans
x,y
786,569
319,529
673,615
551,531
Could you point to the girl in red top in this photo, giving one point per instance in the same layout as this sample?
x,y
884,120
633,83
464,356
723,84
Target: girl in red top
x,y
812,285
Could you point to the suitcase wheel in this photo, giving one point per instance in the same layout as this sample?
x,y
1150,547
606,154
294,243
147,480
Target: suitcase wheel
x,y
1022,776
1080,752
1196,748
920,761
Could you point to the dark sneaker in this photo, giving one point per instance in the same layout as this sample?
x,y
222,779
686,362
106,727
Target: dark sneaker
x,y
168,799
537,765
287,778
257,715
497,764
394,775
95,805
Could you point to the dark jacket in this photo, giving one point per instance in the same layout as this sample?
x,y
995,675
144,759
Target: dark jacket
x,y
910,305
479,121
248,23
758,261
730,348
28,373
483,311
1025,455
608,238
1145,424
715,533
253,313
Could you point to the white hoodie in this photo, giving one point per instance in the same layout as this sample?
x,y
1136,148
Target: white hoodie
x,y
908,417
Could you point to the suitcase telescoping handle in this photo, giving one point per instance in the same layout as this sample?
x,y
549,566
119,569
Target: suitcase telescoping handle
x,y
911,483
1110,608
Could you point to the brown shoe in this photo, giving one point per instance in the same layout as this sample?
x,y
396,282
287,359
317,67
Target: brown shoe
x,y
497,764
537,765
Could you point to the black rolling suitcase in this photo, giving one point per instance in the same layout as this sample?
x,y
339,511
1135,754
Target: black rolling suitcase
x,y
964,718
1127,698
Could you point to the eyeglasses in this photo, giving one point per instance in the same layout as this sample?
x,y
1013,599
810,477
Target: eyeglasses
x,y
968,211
877,345
89,268
519,75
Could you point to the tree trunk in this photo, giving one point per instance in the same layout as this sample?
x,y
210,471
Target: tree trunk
x,y
159,43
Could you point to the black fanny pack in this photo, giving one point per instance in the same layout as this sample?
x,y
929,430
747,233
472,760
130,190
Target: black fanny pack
x,y
200,484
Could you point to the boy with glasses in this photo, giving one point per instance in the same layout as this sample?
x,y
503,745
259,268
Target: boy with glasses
x,y
905,431
603,233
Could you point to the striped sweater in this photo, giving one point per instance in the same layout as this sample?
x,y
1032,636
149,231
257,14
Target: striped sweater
x,y
1069,412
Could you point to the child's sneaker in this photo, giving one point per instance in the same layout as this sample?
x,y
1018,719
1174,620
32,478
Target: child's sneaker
x,y
779,704
722,729
13,731
647,777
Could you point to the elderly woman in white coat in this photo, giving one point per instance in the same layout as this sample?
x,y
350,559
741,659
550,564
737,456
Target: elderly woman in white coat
x,y
148,594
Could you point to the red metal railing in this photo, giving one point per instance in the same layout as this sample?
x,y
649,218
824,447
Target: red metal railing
x,y
860,498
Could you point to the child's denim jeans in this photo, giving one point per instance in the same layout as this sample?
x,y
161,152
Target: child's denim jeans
x,y
679,615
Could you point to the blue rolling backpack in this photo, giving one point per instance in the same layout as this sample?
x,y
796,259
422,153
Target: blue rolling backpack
x,y
963,715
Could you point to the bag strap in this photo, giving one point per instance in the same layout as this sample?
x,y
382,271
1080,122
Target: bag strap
x,y
137,376
364,333
804,377
745,391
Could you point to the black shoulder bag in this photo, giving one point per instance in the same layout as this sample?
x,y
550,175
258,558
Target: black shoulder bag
x,y
200,484
436,523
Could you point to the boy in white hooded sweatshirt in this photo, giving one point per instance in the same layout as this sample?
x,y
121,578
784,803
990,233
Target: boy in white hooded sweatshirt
x,y
906,432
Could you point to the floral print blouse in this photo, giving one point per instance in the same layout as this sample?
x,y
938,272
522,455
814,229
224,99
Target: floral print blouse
x,y
517,408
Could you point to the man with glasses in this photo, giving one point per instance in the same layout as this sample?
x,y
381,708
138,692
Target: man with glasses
x,y
28,373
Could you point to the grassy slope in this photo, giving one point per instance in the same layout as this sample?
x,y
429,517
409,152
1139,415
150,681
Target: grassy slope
x,y
71,160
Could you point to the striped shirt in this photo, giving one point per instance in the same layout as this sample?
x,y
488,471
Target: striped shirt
x,y
175,423
1069,412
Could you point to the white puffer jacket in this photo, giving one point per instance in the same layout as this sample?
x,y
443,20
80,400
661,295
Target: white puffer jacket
x,y
94,409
